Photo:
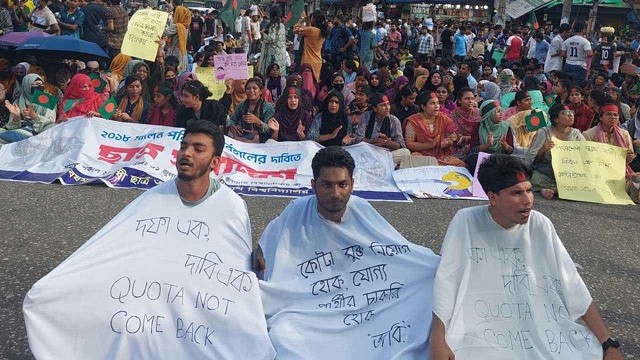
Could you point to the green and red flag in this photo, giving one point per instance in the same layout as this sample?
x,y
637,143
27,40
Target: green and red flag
x,y
537,119
533,22
97,82
44,99
229,12
292,17
550,100
108,108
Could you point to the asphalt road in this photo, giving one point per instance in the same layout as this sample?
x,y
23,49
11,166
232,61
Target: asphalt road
x,y
44,224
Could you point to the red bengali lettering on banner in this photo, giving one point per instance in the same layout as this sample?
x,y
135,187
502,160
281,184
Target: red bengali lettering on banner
x,y
228,165
114,154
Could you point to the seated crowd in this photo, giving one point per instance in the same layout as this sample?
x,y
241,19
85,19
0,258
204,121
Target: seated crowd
x,y
426,110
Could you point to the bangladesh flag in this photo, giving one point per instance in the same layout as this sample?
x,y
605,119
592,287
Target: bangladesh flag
x,y
537,119
533,22
229,12
297,9
97,82
44,99
108,108
550,100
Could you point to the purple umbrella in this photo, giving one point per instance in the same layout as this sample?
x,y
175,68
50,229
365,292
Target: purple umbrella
x,y
17,38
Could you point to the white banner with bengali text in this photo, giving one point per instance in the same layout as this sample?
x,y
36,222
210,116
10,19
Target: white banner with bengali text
x,y
123,155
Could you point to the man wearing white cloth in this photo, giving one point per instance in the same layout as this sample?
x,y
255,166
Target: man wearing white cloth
x,y
506,288
341,282
168,278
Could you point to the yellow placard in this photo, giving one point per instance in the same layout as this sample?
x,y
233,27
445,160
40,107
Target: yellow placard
x,y
590,171
207,76
143,33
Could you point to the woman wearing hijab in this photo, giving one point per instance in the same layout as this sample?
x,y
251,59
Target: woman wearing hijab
x,y
308,82
398,85
539,153
459,82
80,98
421,76
116,74
291,122
489,90
338,84
434,80
48,86
249,121
234,95
19,72
176,35
132,107
492,135
332,126
26,118
274,38
165,105
182,79
507,81
376,83
276,82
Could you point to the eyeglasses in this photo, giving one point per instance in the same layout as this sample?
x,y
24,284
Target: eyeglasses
x,y
567,113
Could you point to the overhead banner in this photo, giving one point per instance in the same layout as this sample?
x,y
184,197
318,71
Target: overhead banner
x,y
123,155
447,182
160,281
590,171
144,32
350,290
517,8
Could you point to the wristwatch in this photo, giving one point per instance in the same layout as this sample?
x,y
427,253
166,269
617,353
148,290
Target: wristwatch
x,y
610,343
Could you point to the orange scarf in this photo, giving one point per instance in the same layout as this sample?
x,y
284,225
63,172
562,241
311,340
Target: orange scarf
x,y
136,114
182,21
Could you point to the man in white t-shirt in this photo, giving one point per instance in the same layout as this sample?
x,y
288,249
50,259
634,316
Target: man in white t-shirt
x,y
554,55
531,47
506,288
42,19
576,50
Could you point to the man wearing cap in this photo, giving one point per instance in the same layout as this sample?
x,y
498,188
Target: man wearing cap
x,y
378,127
506,288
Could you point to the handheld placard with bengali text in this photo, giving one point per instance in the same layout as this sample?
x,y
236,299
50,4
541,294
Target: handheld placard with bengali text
x,y
590,171
350,290
160,280
231,66
207,75
512,293
144,30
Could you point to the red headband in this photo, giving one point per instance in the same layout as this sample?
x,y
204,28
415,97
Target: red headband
x,y
609,107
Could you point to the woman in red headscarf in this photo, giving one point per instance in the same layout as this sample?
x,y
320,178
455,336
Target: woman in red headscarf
x,y
80,99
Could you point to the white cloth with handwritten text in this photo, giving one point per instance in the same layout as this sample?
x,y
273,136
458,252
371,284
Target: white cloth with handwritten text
x,y
159,281
511,293
350,290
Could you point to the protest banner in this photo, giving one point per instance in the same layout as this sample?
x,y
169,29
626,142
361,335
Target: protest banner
x,y
207,76
478,191
231,66
162,280
350,290
144,30
447,182
124,155
590,171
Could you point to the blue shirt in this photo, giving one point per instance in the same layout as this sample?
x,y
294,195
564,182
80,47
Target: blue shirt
x,y
366,43
339,38
461,44
542,48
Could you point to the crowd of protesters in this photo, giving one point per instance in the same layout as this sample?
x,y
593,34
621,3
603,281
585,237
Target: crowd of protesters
x,y
430,93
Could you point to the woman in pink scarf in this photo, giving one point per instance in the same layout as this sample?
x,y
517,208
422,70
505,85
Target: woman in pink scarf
x,y
400,82
610,132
